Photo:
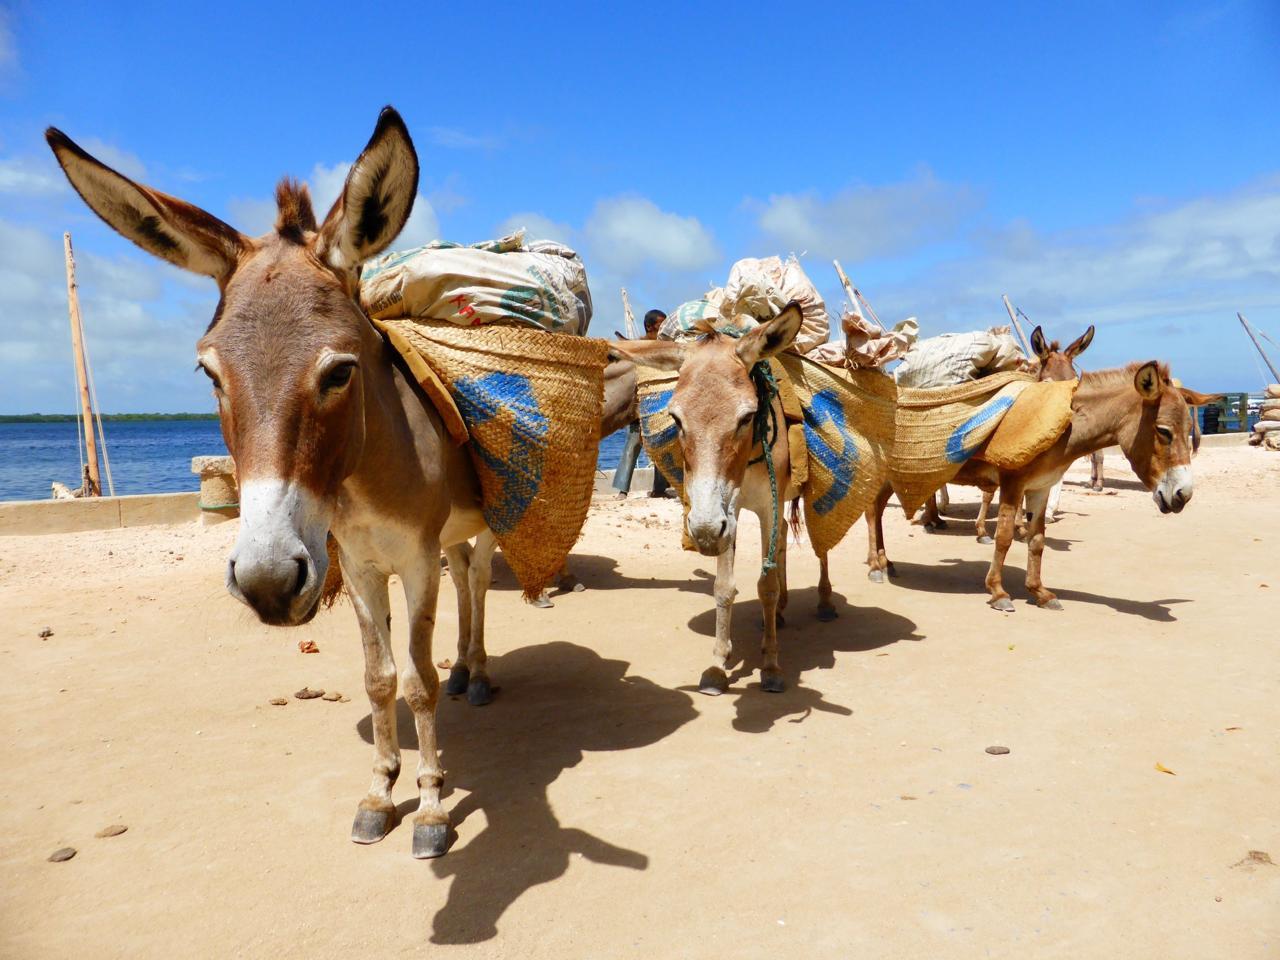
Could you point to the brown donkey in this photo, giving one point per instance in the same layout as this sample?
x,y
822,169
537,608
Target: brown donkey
x,y
715,405
329,431
1137,407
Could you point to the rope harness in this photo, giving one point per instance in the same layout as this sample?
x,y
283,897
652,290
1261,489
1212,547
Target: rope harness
x,y
764,431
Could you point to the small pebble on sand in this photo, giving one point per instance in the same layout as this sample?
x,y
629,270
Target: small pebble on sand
x,y
332,696
997,751
63,853
306,693
278,701
112,831
46,633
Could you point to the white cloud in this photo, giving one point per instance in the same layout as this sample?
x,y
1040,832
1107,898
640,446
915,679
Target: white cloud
x,y
863,221
627,233
26,177
536,227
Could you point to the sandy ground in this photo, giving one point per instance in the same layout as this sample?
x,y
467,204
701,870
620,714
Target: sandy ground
x,y
605,809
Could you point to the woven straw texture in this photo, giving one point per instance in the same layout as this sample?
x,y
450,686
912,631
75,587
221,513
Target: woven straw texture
x,y
531,402
1032,425
849,432
939,429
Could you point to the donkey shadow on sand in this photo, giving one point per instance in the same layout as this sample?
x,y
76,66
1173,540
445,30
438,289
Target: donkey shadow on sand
x,y
954,575
563,701
810,644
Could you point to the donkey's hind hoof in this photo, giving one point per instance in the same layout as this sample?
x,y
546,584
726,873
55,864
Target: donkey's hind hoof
x,y
430,840
1054,604
459,677
542,603
370,825
713,682
875,576
985,540
827,614
479,692
771,681
1004,605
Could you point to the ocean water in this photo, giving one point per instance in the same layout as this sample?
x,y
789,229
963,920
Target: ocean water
x,y
147,456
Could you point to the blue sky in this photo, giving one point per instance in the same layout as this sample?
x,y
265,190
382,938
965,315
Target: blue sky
x,y
1116,164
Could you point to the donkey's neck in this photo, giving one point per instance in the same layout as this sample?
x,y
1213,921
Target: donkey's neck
x,y
1099,409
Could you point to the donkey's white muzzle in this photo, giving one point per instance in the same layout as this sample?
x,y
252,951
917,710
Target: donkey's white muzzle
x,y
1173,492
713,521
279,561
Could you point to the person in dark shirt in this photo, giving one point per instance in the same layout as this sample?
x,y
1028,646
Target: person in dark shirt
x,y
631,450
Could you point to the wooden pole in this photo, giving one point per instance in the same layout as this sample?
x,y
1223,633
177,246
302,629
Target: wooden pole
x,y
82,378
1265,359
628,315
1017,327
856,299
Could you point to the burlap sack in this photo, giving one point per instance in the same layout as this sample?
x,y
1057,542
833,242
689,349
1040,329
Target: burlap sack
x,y
761,288
541,284
938,430
1032,425
1273,390
952,358
849,433
531,403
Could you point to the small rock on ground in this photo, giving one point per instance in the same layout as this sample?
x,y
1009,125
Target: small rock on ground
x,y
306,693
46,633
277,701
332,696
997,751
63,853
112,831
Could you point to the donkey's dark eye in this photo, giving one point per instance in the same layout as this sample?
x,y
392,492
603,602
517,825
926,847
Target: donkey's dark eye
x,y
1165,434
217,384
746,418
338,377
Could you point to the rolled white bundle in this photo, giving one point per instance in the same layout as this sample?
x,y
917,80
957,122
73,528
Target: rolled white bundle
x,y
1273,390
1266,426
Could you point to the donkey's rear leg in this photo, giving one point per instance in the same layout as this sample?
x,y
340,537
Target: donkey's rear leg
x,y
459,557
479,690
715,679
770,589
826,609
368,590
1037,505
422,692
980,525
878,564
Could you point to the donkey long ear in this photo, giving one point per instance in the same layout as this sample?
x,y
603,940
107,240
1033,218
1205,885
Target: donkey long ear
x,y
1080,345
1195,398
162,225
376,200
1148,382
772,337
1038,345
655,354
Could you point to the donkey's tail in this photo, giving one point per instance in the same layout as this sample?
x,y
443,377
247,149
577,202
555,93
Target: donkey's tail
x,y
795,519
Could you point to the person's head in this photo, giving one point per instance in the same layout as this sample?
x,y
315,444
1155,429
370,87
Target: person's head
x,y
652,321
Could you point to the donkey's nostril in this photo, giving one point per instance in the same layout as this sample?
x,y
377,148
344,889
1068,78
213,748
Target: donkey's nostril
x,y
231,570
301,582
724,524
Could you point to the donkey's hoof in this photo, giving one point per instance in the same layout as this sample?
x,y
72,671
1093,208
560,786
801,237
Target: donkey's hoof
x,y
571,584
985,540
542,603
875,576
1054,604
370,825
713,682
827,614
1003,604
459,677
430,840
771,681
479,692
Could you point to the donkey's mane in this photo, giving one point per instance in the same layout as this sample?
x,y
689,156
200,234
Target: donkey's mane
x,y
1117,376
294,216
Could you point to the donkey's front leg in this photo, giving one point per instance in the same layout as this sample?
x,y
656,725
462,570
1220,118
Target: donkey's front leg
x,y
877,559
368,590
421,692
1037,501
980,525
1010,501
769,591
715,680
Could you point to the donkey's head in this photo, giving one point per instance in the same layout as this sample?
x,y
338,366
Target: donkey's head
x,y
289,353
1056,363
714,407
1156,433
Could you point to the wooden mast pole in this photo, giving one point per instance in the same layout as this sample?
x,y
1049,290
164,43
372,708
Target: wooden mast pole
x,y
1017,327
82,378
1265,359
628,315
856,299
